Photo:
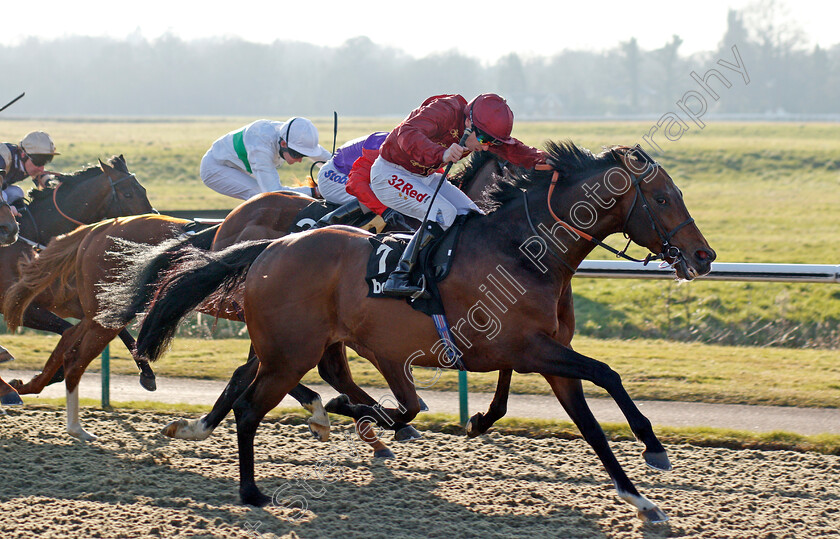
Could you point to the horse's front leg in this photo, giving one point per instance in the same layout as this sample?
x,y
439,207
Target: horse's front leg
x,y
480,423
147,375
553,360
407,404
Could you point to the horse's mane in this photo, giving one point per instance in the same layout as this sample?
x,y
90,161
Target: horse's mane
x,y
474,163
570,161
71,180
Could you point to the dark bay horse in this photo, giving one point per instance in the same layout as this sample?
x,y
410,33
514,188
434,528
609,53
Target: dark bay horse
x,y
323,271
8,224
268,216
86,196
68,274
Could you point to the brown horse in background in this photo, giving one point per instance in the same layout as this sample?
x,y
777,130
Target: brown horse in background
x,y
324,270
8,224
86,196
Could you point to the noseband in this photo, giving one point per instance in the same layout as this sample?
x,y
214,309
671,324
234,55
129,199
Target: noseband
x,y
668,251
114,196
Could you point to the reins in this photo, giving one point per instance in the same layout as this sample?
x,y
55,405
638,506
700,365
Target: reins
x,y
668,250
114,195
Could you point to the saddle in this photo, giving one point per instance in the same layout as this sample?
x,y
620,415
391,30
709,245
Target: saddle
x,y
434,264
308,216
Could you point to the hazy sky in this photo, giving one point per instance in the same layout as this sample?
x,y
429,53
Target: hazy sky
x,y
485,29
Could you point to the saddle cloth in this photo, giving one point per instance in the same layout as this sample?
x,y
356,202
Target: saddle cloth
x,y
434,264
308,216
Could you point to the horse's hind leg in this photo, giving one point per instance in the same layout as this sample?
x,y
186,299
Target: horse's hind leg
x,y
202,428
147,375
90,341
265,392
479,423
335,370
37,317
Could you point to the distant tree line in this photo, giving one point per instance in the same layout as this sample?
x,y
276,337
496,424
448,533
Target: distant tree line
x,y
78,76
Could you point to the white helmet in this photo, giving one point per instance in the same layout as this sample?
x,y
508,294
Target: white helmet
x,y
301,136
38,143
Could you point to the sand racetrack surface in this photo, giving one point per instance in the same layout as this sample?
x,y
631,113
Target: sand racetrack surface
x,y
133,482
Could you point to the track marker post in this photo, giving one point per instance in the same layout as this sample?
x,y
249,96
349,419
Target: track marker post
x,y
106,377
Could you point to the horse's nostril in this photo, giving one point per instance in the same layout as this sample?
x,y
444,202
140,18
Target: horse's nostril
x,y
705,256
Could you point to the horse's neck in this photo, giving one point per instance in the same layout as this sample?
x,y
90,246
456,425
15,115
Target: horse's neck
x,y
564,249
81,203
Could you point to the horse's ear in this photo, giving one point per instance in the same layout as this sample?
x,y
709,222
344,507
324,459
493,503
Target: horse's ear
x,y
106,168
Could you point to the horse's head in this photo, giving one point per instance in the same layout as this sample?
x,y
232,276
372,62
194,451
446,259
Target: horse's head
x,y
656,217
124,194
8,224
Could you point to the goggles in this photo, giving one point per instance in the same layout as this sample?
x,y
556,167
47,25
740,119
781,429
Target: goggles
x,y
292,153
40,159
484,138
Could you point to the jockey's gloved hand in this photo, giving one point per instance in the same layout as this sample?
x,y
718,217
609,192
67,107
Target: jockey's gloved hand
x,y
395,219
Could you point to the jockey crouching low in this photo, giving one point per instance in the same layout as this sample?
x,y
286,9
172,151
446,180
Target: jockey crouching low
x,y
27,159
243,163
405,176
345,180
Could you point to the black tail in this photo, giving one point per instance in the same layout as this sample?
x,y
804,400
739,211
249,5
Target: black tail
x,y
197,275
144,265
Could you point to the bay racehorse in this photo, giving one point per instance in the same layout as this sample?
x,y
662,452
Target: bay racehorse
x,y
69,272
8,224
86,196
268,216
323,271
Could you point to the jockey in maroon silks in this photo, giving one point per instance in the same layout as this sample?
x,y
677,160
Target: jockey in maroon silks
x,y
405,176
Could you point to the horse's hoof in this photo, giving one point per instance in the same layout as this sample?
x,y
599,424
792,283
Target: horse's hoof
x,y
654,515
253,496
472,426
6,356
173,427
147,381
11,399
82,435
658,461
423,406
384,453
406,434
16,384
335,404
320,432
183,429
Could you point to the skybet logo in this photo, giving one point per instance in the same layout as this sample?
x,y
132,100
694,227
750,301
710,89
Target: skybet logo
x,y
406,190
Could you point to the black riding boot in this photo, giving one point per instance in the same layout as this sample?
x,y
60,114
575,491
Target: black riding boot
x,y
398,283
341,215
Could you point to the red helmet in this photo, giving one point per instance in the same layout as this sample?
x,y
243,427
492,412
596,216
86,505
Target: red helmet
x,y
492,116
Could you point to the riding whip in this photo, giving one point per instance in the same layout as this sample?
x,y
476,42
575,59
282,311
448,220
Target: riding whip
x,y
10,103
422,230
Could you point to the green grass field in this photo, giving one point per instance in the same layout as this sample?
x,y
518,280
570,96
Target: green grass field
x,y
760,192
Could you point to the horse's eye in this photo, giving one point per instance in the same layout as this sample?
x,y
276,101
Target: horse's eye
x,y
127,195
661,200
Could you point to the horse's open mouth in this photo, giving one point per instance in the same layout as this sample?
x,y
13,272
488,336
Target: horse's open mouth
x,y
684,271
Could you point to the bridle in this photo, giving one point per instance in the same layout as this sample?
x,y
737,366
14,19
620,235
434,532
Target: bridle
x,y
668,251
114,196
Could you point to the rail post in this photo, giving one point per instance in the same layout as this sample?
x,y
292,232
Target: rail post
x,y
106,377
